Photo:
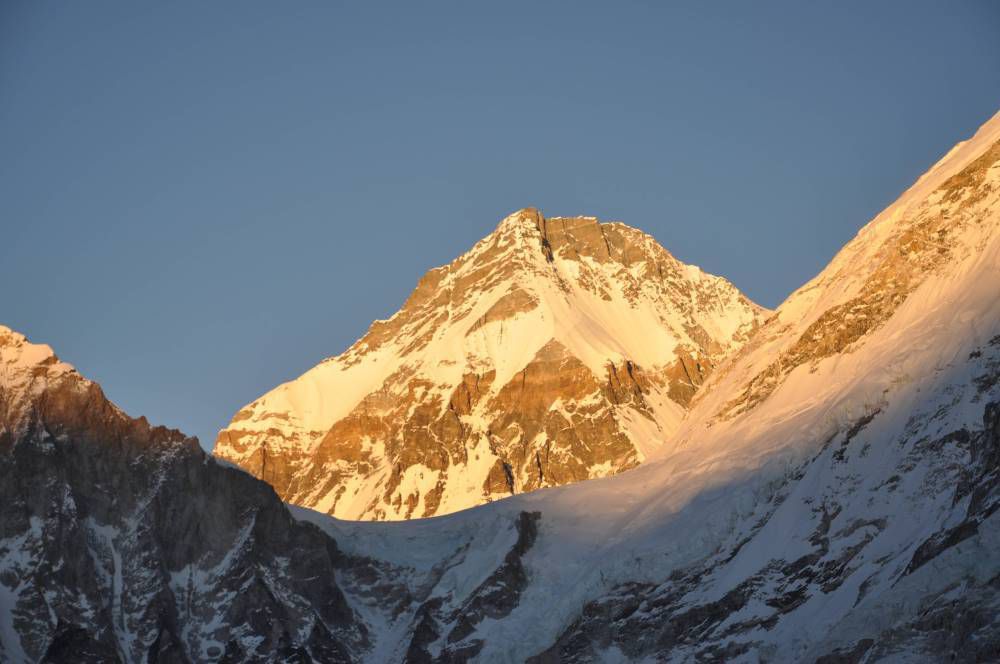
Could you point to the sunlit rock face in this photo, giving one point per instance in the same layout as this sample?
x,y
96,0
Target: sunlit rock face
x,y
556,350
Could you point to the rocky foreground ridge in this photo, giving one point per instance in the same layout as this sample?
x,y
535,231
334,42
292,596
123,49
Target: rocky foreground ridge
x,y
122,542
556,350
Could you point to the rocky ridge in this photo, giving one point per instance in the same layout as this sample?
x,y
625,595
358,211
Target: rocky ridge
x,y
123,542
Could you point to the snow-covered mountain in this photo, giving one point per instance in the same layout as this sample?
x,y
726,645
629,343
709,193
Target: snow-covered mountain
x,y
831,498
555,350
832,495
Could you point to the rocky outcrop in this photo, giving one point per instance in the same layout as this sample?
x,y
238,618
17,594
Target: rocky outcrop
x,y
556,350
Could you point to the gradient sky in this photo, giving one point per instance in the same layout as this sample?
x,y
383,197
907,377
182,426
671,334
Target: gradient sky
x,y
201,200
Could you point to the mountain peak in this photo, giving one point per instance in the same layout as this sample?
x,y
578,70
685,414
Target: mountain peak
x,y
528,241
25,365
528,217
556,349
43,398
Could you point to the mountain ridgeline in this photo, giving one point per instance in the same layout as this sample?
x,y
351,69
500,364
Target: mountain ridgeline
x,y
817,484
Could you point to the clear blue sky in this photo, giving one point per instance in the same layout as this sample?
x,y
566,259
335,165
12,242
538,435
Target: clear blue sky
x,y
201,200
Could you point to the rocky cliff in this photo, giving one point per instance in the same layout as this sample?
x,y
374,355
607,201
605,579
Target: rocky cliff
x,y
556,350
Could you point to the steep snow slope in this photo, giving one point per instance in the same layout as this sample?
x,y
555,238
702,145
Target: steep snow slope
x,y
555,350
832,498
